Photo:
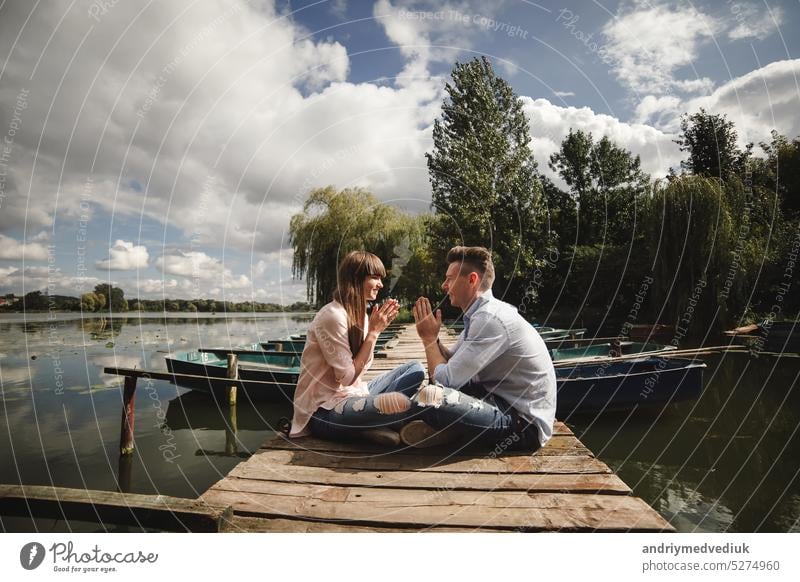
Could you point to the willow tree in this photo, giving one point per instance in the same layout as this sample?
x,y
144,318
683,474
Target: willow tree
x,y
333,223
691,237
485,188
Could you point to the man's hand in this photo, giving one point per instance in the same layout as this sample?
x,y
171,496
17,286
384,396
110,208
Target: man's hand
x,y
428,324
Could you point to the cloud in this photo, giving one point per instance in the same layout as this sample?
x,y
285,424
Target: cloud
x,y
46,279
755,21
124,256
551,123
661,111
6,272
13,249
564,93
199,266
168,96
648,44
765,99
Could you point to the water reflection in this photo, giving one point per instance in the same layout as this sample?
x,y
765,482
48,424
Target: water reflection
x,y
727,462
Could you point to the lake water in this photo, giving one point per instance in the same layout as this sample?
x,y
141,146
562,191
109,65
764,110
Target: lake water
x,y
726,462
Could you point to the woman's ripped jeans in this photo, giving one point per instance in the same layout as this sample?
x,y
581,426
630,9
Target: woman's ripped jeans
x,y
388,405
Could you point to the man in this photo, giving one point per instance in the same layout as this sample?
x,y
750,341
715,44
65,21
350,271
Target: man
x,y
497,385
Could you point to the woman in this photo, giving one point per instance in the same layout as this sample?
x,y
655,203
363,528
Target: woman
x,y
331,399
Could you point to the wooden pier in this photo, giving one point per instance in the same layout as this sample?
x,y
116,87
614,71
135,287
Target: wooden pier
x,y
309,485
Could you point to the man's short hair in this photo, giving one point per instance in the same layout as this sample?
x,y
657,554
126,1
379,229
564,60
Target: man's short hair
x,y
474,259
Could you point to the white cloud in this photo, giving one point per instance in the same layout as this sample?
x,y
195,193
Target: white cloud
x,y
226,73
551,123
6,272
46,279
660,111
753,21
564,93
648,44
125,256
765,99
198,266
13,249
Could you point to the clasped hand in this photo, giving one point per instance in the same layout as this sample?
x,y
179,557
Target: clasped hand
x,y
428,323
383,315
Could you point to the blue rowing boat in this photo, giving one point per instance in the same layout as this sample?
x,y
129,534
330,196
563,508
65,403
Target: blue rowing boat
x,y
610,385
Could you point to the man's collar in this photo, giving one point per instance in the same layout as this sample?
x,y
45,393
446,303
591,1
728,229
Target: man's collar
x,y
479,301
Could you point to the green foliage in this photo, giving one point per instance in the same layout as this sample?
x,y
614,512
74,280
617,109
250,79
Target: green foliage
x,y
606,183
691,237
113,297
89,302
599,282
779,172
483,175
334,223
710,141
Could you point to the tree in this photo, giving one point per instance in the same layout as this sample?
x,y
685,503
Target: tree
x,y
691,237
606,183
114,297
483,175
334,223
35,300
89,302
710,141
780,171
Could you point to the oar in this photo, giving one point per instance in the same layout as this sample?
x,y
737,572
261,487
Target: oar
x,y
586,340
661,354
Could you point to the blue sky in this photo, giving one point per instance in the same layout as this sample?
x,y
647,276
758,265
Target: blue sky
x,y
181,137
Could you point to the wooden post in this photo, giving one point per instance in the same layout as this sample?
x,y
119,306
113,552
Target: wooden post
x,y
233,374
230,431
125,473
128,414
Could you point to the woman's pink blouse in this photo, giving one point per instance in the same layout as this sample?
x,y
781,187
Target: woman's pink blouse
x,y
327,374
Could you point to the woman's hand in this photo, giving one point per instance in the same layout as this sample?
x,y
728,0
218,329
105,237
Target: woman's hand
x,y
382,316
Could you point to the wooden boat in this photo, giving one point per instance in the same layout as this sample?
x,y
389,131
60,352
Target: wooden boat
x,y
604,349
648,331
281,369
274,361
610,385
298,342
553,333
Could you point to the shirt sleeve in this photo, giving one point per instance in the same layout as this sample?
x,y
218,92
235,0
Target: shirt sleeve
x,y
335,346
487,339
448,352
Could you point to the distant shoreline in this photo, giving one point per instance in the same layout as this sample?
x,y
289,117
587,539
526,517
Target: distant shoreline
x,y
40,316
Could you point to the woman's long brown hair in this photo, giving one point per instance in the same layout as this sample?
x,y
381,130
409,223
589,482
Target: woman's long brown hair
x,y
353,271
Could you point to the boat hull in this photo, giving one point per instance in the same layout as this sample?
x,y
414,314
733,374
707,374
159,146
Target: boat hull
x,y
249,384
592,388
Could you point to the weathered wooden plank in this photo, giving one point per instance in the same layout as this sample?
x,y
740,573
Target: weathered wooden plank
x,y
532,511
146,511
558,445
560,464
245,524
564,483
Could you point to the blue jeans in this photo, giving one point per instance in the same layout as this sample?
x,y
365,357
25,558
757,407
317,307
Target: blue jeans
x,y
387,405
483,419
